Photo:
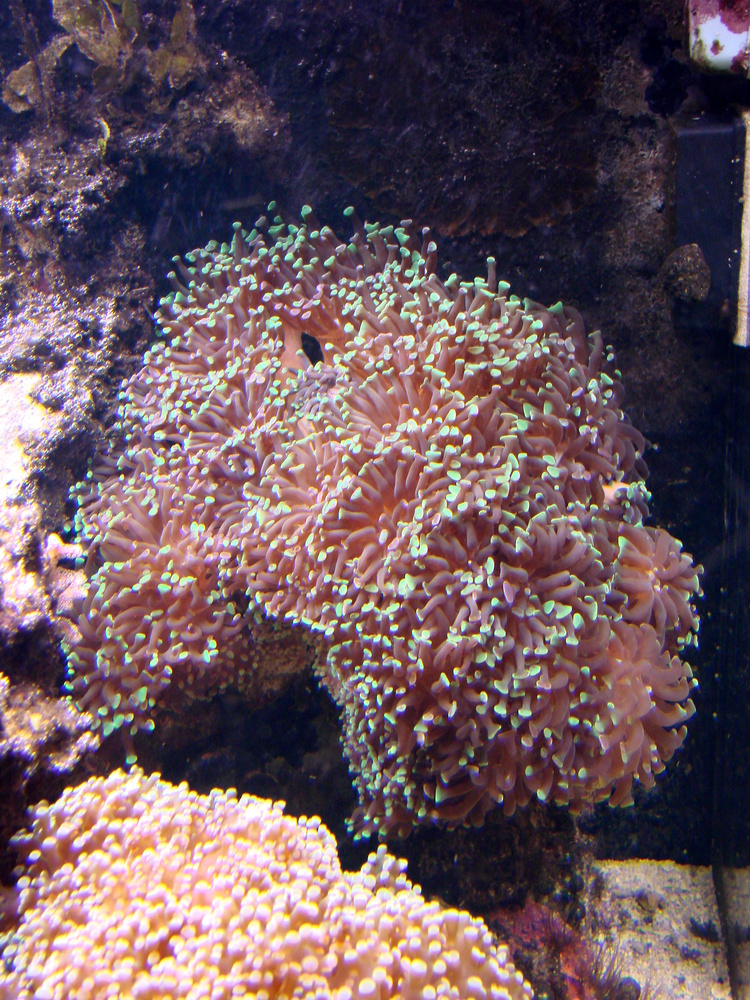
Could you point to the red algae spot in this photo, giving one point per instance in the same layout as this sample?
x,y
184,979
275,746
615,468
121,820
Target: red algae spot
x,y
719,35
733,13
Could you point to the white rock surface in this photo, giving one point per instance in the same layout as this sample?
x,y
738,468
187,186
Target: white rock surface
x,y
24,423
736,886
664,922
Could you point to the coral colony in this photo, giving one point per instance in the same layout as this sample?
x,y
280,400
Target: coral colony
x,y
137,888
450,498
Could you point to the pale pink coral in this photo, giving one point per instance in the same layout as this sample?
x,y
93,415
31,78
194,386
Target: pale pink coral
x,y
135,888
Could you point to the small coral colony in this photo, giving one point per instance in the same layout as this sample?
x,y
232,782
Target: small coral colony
x,y
446,495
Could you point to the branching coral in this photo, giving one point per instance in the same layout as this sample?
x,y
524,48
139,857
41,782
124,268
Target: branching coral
x,y
451,497
136,888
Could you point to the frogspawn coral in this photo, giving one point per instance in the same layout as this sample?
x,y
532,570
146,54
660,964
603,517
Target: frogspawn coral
x,y
450,497
133,887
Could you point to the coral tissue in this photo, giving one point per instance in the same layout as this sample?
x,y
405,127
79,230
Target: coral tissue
x,y
135,888
432,476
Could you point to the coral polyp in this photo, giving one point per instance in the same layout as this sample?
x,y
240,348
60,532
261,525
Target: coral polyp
x,y
450,498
